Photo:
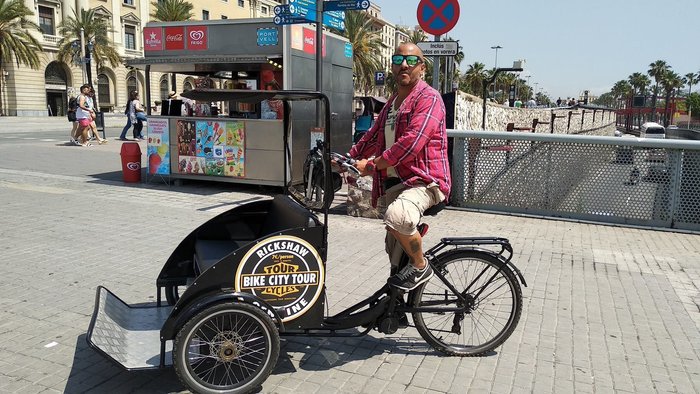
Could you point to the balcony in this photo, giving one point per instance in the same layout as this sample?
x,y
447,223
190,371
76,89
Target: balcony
x,y
132,52
51,41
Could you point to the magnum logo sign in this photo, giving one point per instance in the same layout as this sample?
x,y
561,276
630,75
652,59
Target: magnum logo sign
x,y
284,271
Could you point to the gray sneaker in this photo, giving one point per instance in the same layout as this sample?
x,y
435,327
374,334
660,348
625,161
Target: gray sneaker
x,y
410,277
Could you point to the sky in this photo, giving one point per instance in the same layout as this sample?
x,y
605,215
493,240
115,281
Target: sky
x,y
571,46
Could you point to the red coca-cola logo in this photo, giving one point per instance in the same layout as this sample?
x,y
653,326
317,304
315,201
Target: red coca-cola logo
x,y
309,41
197,38
174,38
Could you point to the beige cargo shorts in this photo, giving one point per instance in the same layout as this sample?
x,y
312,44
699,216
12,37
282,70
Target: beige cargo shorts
x,y
405,205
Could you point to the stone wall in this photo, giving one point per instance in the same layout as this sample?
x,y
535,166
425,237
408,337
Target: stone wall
x,y
468,116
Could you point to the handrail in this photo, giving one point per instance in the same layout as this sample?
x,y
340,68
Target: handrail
x,y
579,139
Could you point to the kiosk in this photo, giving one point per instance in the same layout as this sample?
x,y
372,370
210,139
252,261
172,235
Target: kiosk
x,y
239,142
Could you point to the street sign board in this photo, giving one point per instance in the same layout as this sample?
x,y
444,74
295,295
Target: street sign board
x,y
379,78
438,17
288,19
333,21
297,11
304,6
345,5
439,48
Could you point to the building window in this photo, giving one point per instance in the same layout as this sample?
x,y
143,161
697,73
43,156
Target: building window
x,y
103,94
264,10
130,85
128,2
164,89
241,3
46,20
205,15
129,37
224,17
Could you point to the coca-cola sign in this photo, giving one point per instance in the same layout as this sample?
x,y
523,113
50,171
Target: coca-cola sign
x,y
152,39
197,38
309,41
174,38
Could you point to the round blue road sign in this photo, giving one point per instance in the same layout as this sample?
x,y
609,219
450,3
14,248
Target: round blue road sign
x,y
437,17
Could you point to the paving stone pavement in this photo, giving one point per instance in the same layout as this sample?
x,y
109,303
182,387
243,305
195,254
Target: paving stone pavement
x,y
607,309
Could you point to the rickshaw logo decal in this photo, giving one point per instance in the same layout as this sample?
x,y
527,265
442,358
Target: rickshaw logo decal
x,y
284,271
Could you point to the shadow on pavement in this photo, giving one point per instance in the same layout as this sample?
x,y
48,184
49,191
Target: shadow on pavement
x,y
91,372
321,354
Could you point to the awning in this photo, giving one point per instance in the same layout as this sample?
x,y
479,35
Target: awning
x,y
250,96
202,64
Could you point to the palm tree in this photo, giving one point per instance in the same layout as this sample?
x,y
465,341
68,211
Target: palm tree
x,y
639,82
690,79
656,71
414,36
474,78
174,10
95,31
621,89
366,48
670,82
171,10
16,42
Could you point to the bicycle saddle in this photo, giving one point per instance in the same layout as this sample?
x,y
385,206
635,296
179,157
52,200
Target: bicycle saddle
x,y
432,211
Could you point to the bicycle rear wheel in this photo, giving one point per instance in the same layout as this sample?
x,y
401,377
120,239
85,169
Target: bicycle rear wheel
x,y
493,300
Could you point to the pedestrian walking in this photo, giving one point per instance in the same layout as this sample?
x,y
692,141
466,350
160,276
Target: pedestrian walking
x,y
128,113
137,115
72,107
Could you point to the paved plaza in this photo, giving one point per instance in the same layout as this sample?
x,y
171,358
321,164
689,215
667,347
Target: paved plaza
x,y
607,309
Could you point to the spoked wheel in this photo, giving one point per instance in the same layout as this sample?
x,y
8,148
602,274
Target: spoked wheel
x,y
228,348
491,310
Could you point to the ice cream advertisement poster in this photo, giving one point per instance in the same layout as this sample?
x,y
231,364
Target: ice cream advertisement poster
x,y
158,150
211,147
234,150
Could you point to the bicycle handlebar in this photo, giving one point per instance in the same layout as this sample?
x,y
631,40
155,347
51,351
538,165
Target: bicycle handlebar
x,y
345,162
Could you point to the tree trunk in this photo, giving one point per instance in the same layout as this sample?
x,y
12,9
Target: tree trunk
x,y
668,98
2,97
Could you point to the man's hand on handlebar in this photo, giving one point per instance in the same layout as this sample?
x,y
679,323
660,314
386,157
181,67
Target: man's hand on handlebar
x,y
363,168
345,163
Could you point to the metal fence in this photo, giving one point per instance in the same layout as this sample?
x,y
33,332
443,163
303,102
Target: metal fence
x,y
608,179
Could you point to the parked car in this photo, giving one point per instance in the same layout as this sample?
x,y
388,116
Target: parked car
x,y
652,130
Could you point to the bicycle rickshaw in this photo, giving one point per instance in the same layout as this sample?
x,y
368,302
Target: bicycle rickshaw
x,y
244,278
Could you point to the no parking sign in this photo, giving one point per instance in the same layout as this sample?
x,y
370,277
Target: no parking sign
x,y
438,17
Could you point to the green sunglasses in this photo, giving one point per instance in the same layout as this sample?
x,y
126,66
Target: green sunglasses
x,y
411,60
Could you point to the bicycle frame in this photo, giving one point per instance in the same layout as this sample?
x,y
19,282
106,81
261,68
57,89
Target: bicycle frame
x,y
388,302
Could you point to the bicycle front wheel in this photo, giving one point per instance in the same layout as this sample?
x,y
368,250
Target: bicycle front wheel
x,y
491,309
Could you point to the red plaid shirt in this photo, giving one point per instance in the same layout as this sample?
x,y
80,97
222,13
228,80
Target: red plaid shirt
x,y
419,153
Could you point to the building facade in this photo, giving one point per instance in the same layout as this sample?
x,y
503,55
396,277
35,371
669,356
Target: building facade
x,y
45,91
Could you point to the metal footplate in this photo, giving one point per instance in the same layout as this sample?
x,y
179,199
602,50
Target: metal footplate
x,y
129,336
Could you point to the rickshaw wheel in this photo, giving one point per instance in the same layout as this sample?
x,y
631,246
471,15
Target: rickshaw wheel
x,y
227,348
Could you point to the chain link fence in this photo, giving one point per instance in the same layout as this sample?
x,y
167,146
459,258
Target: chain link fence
x,y
608,179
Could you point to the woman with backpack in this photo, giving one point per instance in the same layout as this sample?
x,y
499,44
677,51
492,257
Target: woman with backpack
x,y
72,106
137,116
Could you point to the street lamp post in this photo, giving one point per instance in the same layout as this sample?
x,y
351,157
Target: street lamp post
x,y
82,53
486,83
495,66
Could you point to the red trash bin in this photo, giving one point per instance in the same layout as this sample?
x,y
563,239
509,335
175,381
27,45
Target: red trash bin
x,y
131,162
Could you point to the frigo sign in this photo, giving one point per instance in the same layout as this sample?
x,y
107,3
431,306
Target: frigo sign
x,y
284,271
